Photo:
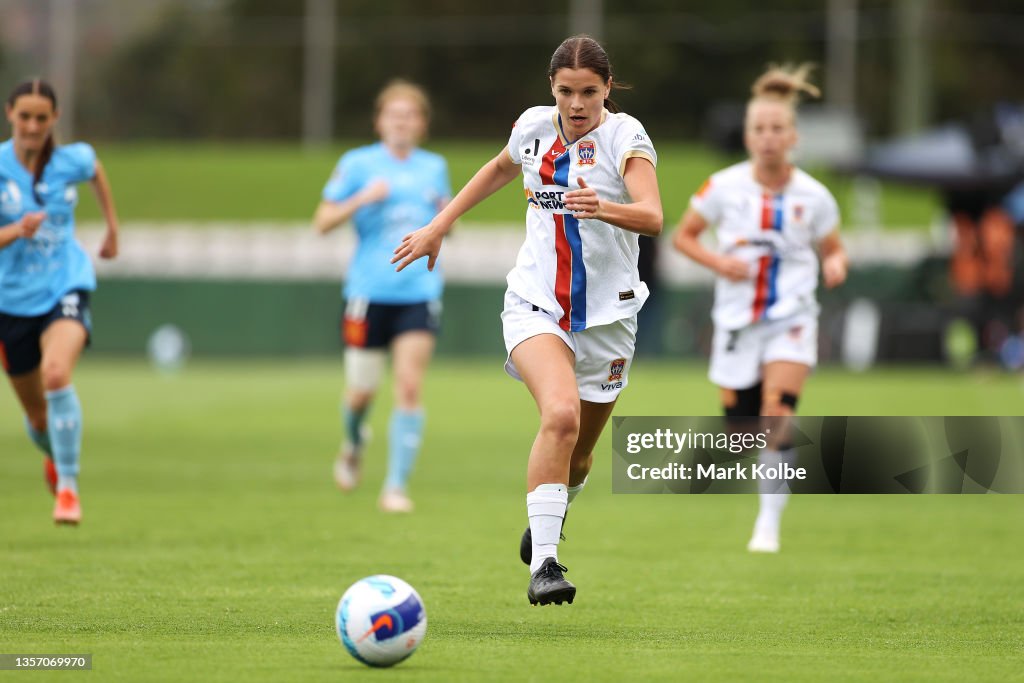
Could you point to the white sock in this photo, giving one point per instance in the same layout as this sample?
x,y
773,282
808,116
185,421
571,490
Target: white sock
x,y
575,490
773,494
545,506
67,483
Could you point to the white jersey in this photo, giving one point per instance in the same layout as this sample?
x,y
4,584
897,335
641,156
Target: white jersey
x,y
776,234
583,271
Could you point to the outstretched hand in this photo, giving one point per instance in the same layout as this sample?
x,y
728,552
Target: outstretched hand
x,y
423,242
584,202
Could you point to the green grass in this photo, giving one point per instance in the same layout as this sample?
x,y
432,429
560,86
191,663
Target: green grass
x,y
215,547
182,182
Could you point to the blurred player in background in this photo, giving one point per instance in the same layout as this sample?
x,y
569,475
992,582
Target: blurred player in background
x,y
570,309
387,189
47,278
772,222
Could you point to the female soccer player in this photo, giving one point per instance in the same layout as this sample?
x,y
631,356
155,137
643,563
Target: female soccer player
x,y
387,189
573,295
47,278
770,217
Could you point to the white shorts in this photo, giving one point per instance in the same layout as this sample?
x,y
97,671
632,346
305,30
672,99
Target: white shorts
x,y
603,353
738,355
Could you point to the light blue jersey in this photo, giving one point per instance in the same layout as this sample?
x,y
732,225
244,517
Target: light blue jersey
x,y
36,273
418,185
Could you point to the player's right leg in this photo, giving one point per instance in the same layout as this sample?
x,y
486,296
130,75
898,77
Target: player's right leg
x,y
365,359
29,389
546,365
20,357
363,371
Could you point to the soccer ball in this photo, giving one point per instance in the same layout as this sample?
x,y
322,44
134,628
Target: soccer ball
x,y
381,620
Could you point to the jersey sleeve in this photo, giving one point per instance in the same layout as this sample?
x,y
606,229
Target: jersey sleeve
x,y
633,141
707,201
344,182
514,140
827,218
81,158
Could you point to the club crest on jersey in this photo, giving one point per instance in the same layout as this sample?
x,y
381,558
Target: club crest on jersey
x,y
586,151
615,369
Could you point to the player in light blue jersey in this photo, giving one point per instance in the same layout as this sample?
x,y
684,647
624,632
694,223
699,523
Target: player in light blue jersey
x,y
387,189
45,280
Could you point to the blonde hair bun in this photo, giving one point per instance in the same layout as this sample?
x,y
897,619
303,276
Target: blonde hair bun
x,y
785,82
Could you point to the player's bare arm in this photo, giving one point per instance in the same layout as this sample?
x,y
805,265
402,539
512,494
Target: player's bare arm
x,y
330,215
24,227
492,176
643,215
105,198
834,261
687,240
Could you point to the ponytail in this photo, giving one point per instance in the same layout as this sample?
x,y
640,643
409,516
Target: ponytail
x,y
44,158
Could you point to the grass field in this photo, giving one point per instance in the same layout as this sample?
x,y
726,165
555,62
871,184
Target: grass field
x,y
215,547
175,182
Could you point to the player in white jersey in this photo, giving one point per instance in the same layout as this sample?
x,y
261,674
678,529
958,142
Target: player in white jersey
x,y
772,223
570,309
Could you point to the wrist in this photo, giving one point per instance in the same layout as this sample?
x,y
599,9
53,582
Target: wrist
x,y
441,228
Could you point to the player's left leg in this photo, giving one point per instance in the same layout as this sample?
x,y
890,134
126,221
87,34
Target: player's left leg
x,y
411,353
61,345
593,418
783,382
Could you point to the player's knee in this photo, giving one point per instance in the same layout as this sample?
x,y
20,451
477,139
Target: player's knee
x,y
56,374
779,404
364,369
562,420
357,399
407,394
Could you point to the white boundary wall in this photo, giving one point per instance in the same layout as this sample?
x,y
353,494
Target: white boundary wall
x,y
481,255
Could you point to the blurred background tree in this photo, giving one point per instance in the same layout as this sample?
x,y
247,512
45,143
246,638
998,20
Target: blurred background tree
x,y
234,68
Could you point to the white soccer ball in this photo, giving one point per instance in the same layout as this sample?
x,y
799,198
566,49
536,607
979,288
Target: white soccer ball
x,y
381,620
